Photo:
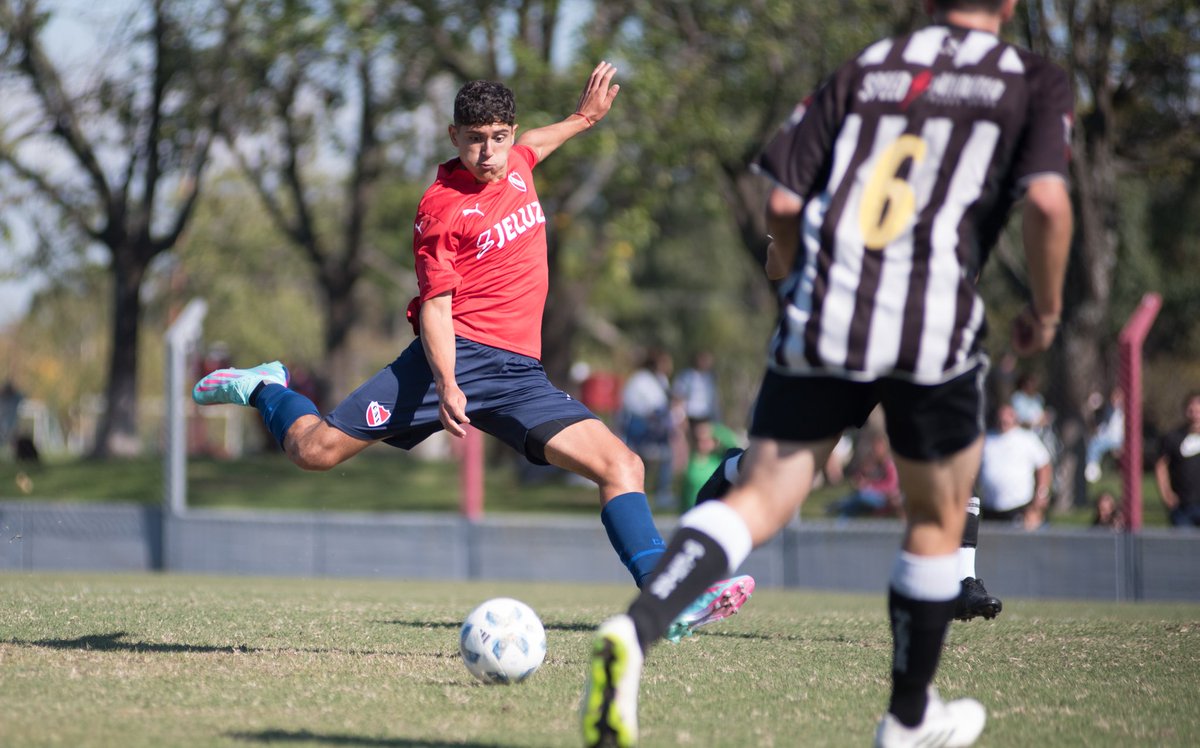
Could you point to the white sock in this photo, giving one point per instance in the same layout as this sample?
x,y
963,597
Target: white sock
x,y
966,563
933,578
720,522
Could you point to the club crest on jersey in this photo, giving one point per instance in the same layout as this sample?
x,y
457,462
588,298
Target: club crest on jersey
x,y
517,181
377,415
510,227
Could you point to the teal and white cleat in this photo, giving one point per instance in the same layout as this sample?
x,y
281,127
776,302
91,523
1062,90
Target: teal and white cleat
x,y
720,601
234,386
610,698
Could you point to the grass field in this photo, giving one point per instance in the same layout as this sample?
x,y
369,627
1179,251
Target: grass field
x,y
176,660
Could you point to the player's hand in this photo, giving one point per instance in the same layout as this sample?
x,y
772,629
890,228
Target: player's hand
x,y
452,410
598,93
1032,333
776,266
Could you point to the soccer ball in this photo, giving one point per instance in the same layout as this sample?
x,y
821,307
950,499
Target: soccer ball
x,y
502,641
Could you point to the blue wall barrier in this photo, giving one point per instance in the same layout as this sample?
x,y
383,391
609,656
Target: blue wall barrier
x,y
1159,564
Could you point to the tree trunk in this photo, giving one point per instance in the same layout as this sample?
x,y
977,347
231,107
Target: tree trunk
x,y
560,325
339,371
1078,365
117,431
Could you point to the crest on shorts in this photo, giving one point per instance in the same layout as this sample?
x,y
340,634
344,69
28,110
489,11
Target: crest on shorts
x,y
377,415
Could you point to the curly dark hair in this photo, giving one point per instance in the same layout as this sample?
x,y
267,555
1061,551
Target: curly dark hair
x,y
484,103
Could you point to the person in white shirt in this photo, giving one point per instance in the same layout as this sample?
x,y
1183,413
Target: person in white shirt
x,y
645,422
696,389
1015,473
1109,435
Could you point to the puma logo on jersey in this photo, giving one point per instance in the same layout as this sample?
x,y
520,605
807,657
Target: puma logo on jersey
x,y
510,227
473,211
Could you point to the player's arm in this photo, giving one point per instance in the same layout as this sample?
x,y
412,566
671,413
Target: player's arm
x,y
1162,476
437,338
1041,486
1047,234
783,223
795,160
595,101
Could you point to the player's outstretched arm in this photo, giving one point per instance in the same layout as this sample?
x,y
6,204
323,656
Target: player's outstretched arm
x,y
597,98
1047,233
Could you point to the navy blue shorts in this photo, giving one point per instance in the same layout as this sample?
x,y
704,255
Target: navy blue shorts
x,y
508,396
924,422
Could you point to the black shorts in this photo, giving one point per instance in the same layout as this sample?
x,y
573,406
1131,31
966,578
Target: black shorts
x,y
924,422
1007,515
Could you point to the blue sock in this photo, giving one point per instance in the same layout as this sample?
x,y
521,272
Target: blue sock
x,y
633,535
280,407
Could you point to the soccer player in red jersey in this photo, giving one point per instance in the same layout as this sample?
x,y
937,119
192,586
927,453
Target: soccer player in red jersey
x,y
479,240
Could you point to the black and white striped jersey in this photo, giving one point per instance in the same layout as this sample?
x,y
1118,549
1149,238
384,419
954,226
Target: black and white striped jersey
x,y
909,159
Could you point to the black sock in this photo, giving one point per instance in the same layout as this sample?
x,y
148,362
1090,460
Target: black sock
x,y
692,563
970,537
918,631
252,400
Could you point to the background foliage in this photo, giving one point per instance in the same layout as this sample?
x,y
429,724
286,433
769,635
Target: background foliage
x,y
332,119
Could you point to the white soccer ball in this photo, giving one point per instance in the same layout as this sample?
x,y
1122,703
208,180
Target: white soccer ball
x,y
502,641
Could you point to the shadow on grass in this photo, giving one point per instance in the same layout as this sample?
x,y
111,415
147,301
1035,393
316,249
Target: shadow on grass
x,y
567,626
584,627
112,642
304,736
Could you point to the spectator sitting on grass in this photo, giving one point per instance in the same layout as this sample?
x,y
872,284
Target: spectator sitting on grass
x,y
876,482
709,442
1108,512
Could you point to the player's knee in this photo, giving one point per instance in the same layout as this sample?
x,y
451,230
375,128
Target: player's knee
x,y
626,467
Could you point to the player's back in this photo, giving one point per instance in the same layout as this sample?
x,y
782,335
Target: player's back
x,y
909,159
942,110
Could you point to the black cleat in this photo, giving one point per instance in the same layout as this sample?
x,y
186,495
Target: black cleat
x,y
718,484
974,601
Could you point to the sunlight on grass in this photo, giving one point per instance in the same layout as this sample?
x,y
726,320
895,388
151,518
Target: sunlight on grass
x,y
168,660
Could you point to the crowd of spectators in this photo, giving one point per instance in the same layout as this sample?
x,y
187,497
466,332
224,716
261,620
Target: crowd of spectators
x,y
674,421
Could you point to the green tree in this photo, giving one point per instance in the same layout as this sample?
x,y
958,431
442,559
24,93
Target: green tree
x,y
705,85
1136,68
324,89
136,134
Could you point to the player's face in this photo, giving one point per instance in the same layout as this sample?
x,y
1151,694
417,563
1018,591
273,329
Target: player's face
x,y
483,149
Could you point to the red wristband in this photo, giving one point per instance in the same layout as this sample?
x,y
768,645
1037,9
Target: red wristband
x,y
586,118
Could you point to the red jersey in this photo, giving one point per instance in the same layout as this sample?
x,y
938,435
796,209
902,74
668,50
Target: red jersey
x,y
486,242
